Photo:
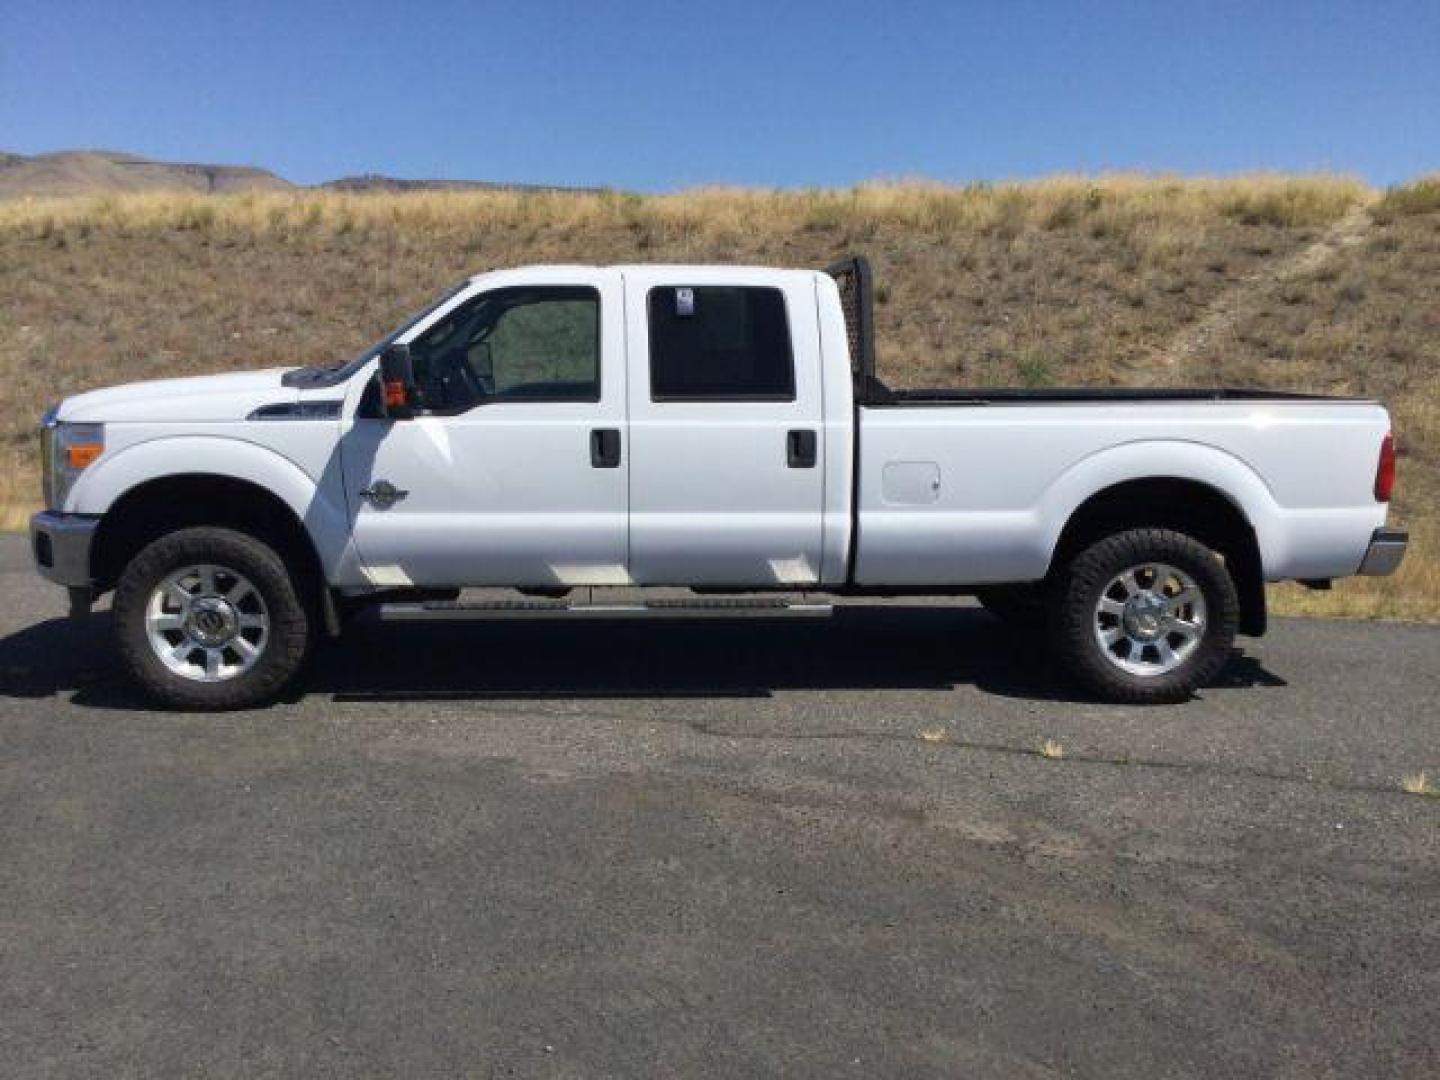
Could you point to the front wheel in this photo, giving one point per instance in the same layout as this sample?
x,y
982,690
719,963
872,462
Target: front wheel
x,y
1145,616
209,618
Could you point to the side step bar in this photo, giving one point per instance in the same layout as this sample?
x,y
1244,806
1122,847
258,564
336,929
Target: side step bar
x,y
724,608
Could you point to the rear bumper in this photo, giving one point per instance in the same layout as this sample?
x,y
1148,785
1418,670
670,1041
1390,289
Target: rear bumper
x,y
60,545
1387,548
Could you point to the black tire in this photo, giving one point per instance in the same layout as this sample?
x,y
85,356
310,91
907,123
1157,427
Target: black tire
x,y
1077,593
291,627
1022,606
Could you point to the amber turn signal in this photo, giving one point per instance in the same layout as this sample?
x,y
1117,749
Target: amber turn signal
x,y
79,455
395,396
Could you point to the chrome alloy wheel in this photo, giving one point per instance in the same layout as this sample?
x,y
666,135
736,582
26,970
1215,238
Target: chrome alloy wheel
x,y
207,623
1149,619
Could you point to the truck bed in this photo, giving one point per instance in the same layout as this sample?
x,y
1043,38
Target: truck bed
x,y
952,487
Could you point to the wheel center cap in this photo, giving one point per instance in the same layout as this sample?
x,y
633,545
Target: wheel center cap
x,y
212,621
1144,617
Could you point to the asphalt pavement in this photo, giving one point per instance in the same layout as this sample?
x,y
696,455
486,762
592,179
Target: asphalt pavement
x,y
744,848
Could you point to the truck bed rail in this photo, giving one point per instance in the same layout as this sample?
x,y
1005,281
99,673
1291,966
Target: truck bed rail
x,y
881,396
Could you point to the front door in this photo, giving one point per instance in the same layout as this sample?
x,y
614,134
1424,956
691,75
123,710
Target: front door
x,y
516,471
727,460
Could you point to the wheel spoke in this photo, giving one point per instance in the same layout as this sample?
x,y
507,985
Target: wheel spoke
x,y
1112,635
1184,598
167,620
1187,630
207,580
1168,659
246,648
1130,583
1111,607
212,663
250,621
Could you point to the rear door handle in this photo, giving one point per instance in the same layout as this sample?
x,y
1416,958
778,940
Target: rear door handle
x,y
605,448
800,449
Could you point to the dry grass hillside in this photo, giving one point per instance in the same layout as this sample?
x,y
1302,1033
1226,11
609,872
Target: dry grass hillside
x,y
1312,283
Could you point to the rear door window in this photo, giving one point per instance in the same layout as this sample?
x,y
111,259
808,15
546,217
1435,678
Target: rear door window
x,y
719,343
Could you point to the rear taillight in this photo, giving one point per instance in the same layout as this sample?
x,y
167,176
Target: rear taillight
x,y
1385,469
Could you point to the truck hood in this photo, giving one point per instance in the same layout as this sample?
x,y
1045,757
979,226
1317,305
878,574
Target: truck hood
x,y
203,398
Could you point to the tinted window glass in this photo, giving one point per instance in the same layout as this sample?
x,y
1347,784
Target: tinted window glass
x,y
532,344
719,343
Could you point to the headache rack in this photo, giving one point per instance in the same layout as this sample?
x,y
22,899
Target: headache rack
x,y
852,275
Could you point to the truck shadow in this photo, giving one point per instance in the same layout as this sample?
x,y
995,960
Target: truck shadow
x,y
866,648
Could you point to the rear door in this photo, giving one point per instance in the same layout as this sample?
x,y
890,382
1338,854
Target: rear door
x,y
727,463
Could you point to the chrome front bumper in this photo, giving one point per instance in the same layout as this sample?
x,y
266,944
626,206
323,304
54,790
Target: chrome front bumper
x,y
1387,548
60,544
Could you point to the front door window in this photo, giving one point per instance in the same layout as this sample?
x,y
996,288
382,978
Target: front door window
x,y
522,344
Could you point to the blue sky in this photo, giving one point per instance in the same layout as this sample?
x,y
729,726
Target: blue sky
x,y
654,96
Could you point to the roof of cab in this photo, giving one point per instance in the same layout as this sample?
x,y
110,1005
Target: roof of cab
x,y
679,269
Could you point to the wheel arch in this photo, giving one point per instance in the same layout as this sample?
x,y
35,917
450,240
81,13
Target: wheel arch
x,y
153,508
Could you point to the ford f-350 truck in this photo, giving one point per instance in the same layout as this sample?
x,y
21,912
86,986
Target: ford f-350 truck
x,y
559,428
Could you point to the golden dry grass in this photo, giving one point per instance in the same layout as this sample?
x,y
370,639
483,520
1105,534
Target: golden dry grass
x,y
1069,280
1051,749
1419,784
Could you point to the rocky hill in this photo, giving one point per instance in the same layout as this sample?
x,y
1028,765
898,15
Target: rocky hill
x,y
373,183
91,172
102,172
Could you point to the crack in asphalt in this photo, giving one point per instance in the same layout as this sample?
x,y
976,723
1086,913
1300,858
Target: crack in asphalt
x,y
1006,749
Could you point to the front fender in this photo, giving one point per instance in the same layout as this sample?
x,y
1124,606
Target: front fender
x,y
319,504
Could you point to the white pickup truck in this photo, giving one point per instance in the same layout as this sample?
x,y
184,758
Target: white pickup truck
x,y
562,430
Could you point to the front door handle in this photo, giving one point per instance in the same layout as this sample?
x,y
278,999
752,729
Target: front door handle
x,y
605,448
800,449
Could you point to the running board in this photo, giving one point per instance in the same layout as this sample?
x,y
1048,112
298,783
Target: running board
x,y
439,610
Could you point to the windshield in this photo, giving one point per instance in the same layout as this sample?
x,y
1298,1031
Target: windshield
x,y
330,374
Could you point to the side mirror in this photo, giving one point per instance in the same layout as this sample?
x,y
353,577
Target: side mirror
x,y
398,392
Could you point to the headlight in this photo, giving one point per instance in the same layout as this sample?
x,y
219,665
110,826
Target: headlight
x,y
65,452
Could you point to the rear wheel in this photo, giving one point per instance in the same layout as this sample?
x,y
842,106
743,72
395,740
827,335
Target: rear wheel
x,y
1145,616
209,618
